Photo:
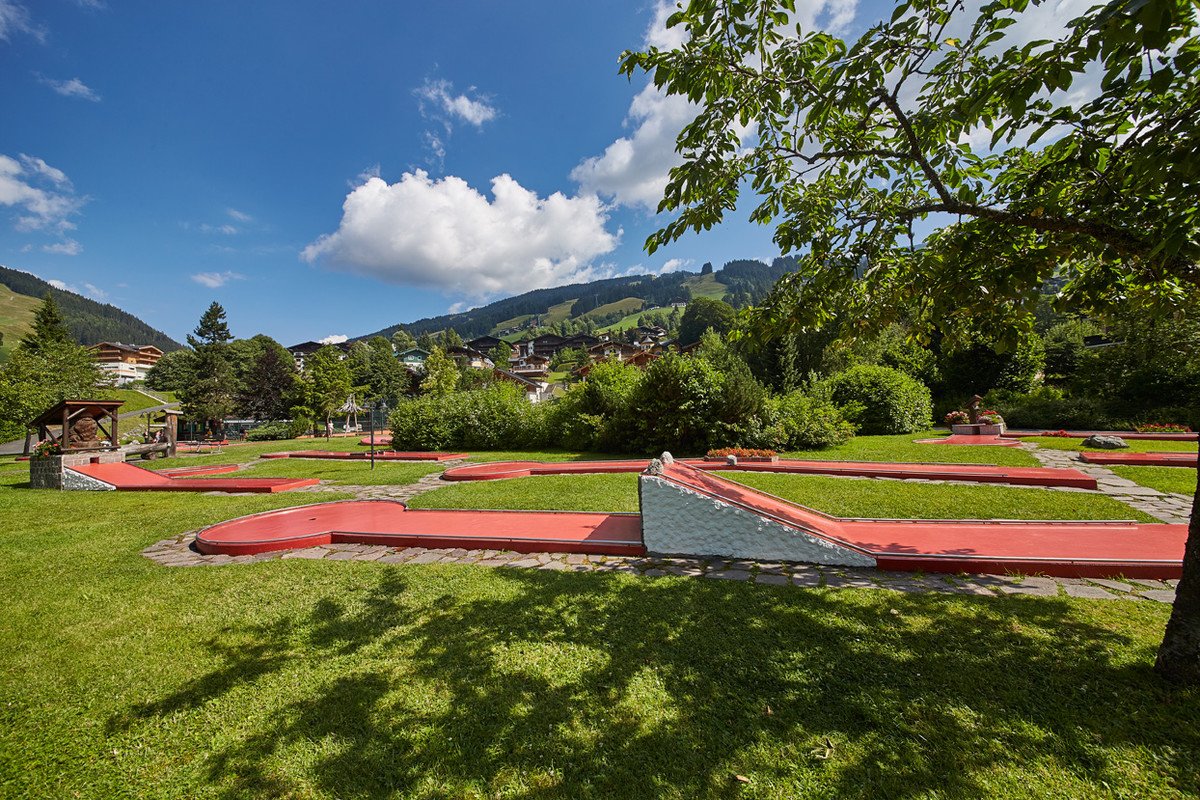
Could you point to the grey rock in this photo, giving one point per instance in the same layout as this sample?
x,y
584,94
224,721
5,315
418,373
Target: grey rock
x,y
1105,442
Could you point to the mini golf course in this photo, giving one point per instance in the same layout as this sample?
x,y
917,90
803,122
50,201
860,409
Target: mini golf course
x,y
1190,436
697,512
1022,476
129,478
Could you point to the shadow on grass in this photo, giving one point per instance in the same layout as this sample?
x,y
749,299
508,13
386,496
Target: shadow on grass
x,y
533,684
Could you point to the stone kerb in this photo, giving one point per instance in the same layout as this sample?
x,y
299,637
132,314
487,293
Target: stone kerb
x,y
54,472
679,521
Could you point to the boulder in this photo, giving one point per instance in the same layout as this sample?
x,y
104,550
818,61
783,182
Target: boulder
x,y
1105,442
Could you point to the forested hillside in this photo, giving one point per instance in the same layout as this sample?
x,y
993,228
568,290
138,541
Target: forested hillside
x,y
740,282
89,321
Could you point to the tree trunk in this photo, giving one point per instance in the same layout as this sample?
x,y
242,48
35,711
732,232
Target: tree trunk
x,y
1179,654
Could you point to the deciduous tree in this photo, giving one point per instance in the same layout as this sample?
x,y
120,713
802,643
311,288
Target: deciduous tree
x,y
940,169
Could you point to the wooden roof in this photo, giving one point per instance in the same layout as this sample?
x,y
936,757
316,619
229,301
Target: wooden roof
x,y
93,408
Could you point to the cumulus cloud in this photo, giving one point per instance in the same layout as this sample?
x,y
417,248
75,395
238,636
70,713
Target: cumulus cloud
x,y
62,286
215,280
68,247
72,88
14,18
437,97
42,197
634,169
445,234
336,338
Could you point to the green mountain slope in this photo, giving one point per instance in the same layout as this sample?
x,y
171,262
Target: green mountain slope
x,y
89,321
613,303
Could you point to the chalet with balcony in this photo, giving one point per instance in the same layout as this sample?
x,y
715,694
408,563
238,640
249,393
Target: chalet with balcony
x,y
126,362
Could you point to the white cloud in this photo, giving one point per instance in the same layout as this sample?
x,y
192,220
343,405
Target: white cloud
x,y
634,169
68,247
445,234
336,338
437,97
215,280
95,292
240,216
42,197
72,88
62,286
673,264
15,19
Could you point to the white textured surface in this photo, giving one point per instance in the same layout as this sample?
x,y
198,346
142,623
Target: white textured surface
x,y
679,521
73,481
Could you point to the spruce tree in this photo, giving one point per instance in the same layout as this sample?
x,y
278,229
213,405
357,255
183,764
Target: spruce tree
x,y
49,327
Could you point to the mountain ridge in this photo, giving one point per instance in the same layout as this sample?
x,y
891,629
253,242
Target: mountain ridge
x,y
743,280
89,321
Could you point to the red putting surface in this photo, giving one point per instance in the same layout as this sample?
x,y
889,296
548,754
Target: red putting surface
x,y
1067,549
1024,476
192,472
127,477
1142,459
381,440
386,455
959,438
1162,437
389,523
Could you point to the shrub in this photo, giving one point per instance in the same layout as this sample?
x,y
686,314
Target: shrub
x,y
271,431
740,452
676,406
1047,408
810,420
492,418
882,400
594,414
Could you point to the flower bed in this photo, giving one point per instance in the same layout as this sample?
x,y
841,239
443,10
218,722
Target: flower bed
x,y
742,454
1161,427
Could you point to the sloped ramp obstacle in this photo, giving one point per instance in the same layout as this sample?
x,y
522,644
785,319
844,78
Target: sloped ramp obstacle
x,y
130,478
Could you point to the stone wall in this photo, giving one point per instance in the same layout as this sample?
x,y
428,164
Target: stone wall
x,y
679,521
53,472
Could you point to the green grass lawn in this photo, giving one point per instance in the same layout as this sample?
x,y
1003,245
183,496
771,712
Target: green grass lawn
x,y
241,453
1180,480
608,493
133,400
1135,445
904,447
540,455
348,472
122,678
844,497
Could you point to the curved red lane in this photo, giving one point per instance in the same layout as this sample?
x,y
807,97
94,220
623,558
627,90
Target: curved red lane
x,y
1162,437
130,478
979,473
390,523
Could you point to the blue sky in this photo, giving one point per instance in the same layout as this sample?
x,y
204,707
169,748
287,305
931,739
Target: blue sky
x,y
332,168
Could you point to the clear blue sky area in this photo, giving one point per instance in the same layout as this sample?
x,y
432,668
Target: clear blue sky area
x,y
332,168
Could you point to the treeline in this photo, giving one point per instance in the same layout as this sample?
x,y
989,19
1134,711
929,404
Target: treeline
x,y
88,321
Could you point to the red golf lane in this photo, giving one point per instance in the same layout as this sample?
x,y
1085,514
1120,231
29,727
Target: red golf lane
x,y
386,455
1162,437
128,478
1065,549
1023,476
380,440
385,522
192,472
959,438
1142,459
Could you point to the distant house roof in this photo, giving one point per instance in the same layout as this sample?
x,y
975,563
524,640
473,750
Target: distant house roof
x,y
413,351
308,348
485,343
129,348
505,375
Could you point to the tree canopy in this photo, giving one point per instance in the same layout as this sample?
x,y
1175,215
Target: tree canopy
x,y
943,167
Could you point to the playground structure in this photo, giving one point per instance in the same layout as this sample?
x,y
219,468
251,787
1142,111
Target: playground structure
x,y
689,511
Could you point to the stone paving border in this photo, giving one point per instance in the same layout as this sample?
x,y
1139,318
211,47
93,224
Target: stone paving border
x,y
179,552
1163,506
